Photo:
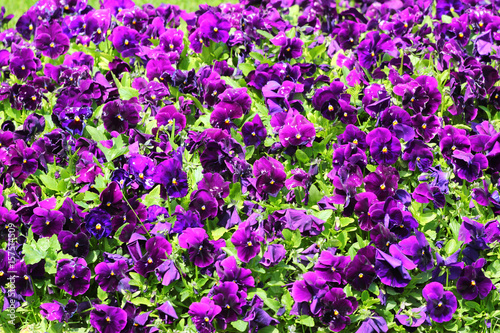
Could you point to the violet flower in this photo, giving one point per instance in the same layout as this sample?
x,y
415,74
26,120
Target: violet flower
x,y
441,304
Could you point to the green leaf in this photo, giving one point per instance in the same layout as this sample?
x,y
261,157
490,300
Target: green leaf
x,y
249,152
49,182
246,68
127,93
427,217
345,221
306,321
101,294
301,156
153,197
32,254
218,233
265,34
240,325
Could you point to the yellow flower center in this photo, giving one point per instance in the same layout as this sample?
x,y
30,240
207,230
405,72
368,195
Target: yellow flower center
x,y
253,133
112,273
373,54
473,283
30,27
333,269
461,35
33,98
453,148
99,31
382,187
25,161
77,119
134,22
226,121
345,114
47,222
481,24
171,46
150,261
119,117
418,158
66,7
76,244
298,136
406,25
206,319
330,108
1,273
355,141
249,244
52,44
394,123
203,207
153,97
108,319
228,307
73,276
412,99
141,175
384,150
424,125
126,42
216,29
26,277
98,226
360,275
440,304
336,312
288,49
23,68
271,182
174,181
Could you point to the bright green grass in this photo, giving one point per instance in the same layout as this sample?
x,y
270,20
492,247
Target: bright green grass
x,y
18,7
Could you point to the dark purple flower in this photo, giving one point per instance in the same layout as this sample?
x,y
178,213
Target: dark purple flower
x,y
204,203
391,270
73,276
412,318
270,175
383,182
373,46
76,245
257,317
425,193
126,41
426,127
213,27
22,160
331,267
203,313
119,115
228,270
57,311
419,251
274,254
215,184
227,296
360,273
247,242
337,308
297,131
307,294
108,275
201,250
98,223
167,313
51,40
418,154
468,166
473,282
441,304
46,223
167,115
169,173
254,132
451,266
108,319
291,48
384,147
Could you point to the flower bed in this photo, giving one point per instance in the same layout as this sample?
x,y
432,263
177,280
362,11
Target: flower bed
x,y
270,166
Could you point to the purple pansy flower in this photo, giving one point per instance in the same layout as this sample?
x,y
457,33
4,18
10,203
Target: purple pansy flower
x,y
108,319
441,304
73,276
203,313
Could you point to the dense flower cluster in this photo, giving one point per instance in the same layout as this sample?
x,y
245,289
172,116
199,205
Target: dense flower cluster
x,y
256,166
